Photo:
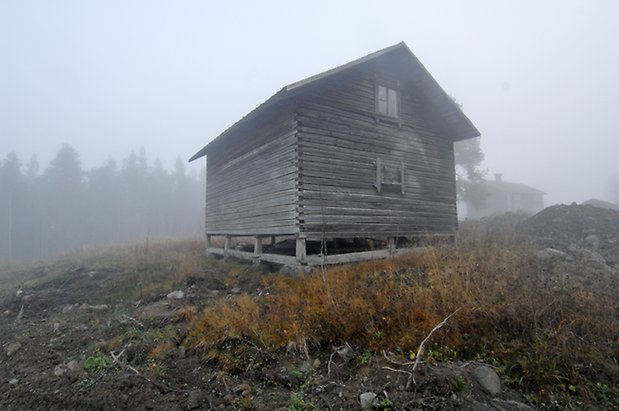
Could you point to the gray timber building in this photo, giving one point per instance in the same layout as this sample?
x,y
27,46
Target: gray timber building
x,y
362,151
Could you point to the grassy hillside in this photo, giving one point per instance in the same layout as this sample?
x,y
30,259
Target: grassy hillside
x,y
537,305
550,335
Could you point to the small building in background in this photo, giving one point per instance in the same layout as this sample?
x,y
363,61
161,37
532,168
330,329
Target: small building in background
x,y
504,196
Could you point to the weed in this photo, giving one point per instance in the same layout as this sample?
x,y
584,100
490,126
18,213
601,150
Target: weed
x,y
385,404
462,386
97,363
186,313
298,401
298,374
156,370
542,335
364,358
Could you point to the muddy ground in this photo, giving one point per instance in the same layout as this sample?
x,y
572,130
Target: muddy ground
x,y
69,343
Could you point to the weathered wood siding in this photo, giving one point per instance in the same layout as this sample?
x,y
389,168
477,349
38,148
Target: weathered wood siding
x,y
321,162
251,184
341,140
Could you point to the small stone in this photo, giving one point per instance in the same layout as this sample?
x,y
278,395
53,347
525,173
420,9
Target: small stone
x,y
176,295
488,379
235,290
72,365
13,381
367,400
593,241
195,399
60,369
241,388
305,367
12,348
316,363
19,293
345,353
68,308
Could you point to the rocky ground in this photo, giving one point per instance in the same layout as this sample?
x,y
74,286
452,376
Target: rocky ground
x,y
72,343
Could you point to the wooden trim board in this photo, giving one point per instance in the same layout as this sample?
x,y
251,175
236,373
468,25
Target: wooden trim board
x,y
313,260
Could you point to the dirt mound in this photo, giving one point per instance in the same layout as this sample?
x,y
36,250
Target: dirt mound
x,y
571,227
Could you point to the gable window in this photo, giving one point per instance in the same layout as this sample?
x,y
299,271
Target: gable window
x,y
387,101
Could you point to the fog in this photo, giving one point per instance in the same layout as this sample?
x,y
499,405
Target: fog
x,y
538,79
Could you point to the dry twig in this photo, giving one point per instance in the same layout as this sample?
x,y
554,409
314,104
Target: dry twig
x,y
392,361
133,320
438,326
394,370
163,387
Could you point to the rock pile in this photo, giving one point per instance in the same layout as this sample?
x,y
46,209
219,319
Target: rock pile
x,y
578,230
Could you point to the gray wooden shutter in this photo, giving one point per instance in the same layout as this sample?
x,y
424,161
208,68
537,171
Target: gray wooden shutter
x,y
392,103
382,99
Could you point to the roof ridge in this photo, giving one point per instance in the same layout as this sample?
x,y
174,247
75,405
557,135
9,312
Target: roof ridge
x,y
344,66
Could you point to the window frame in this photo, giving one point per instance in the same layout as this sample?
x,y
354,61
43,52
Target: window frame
x,y
391,101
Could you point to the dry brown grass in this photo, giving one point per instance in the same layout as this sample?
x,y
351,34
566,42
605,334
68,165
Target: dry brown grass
x,y
545,333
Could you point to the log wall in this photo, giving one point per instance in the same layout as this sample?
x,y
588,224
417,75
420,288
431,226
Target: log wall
x,y
343,143
252,185
322,163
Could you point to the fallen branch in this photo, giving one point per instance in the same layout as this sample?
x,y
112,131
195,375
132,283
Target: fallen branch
x,y
394,370
330,361
260,350
163,387
420,350
392,361
133,320
335,351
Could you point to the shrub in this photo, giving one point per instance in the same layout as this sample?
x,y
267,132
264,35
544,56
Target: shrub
x,y
548,334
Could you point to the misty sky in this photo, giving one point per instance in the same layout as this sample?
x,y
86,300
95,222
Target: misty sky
x,y
539,79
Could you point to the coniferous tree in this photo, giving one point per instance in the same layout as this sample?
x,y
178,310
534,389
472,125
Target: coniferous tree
x,y
67,207
63,200
11,187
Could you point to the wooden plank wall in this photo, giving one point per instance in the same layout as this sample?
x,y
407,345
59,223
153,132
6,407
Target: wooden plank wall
x,y
338,150
252,184
313,171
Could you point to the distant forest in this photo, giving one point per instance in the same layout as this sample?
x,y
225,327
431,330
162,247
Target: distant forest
x,y
64,207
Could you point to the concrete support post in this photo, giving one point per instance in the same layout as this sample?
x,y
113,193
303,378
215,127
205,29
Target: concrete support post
x,y
226,246
257,249
207,245
301,250
391,244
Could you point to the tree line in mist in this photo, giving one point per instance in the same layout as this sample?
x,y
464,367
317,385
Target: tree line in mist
x,y
64,207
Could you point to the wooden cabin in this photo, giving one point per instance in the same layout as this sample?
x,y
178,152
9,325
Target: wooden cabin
x,y
362,151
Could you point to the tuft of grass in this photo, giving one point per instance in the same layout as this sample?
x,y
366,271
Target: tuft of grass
x,y
544,334
186,313
97,363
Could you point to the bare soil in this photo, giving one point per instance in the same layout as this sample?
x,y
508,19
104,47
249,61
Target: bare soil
x,y
73,343
63,322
